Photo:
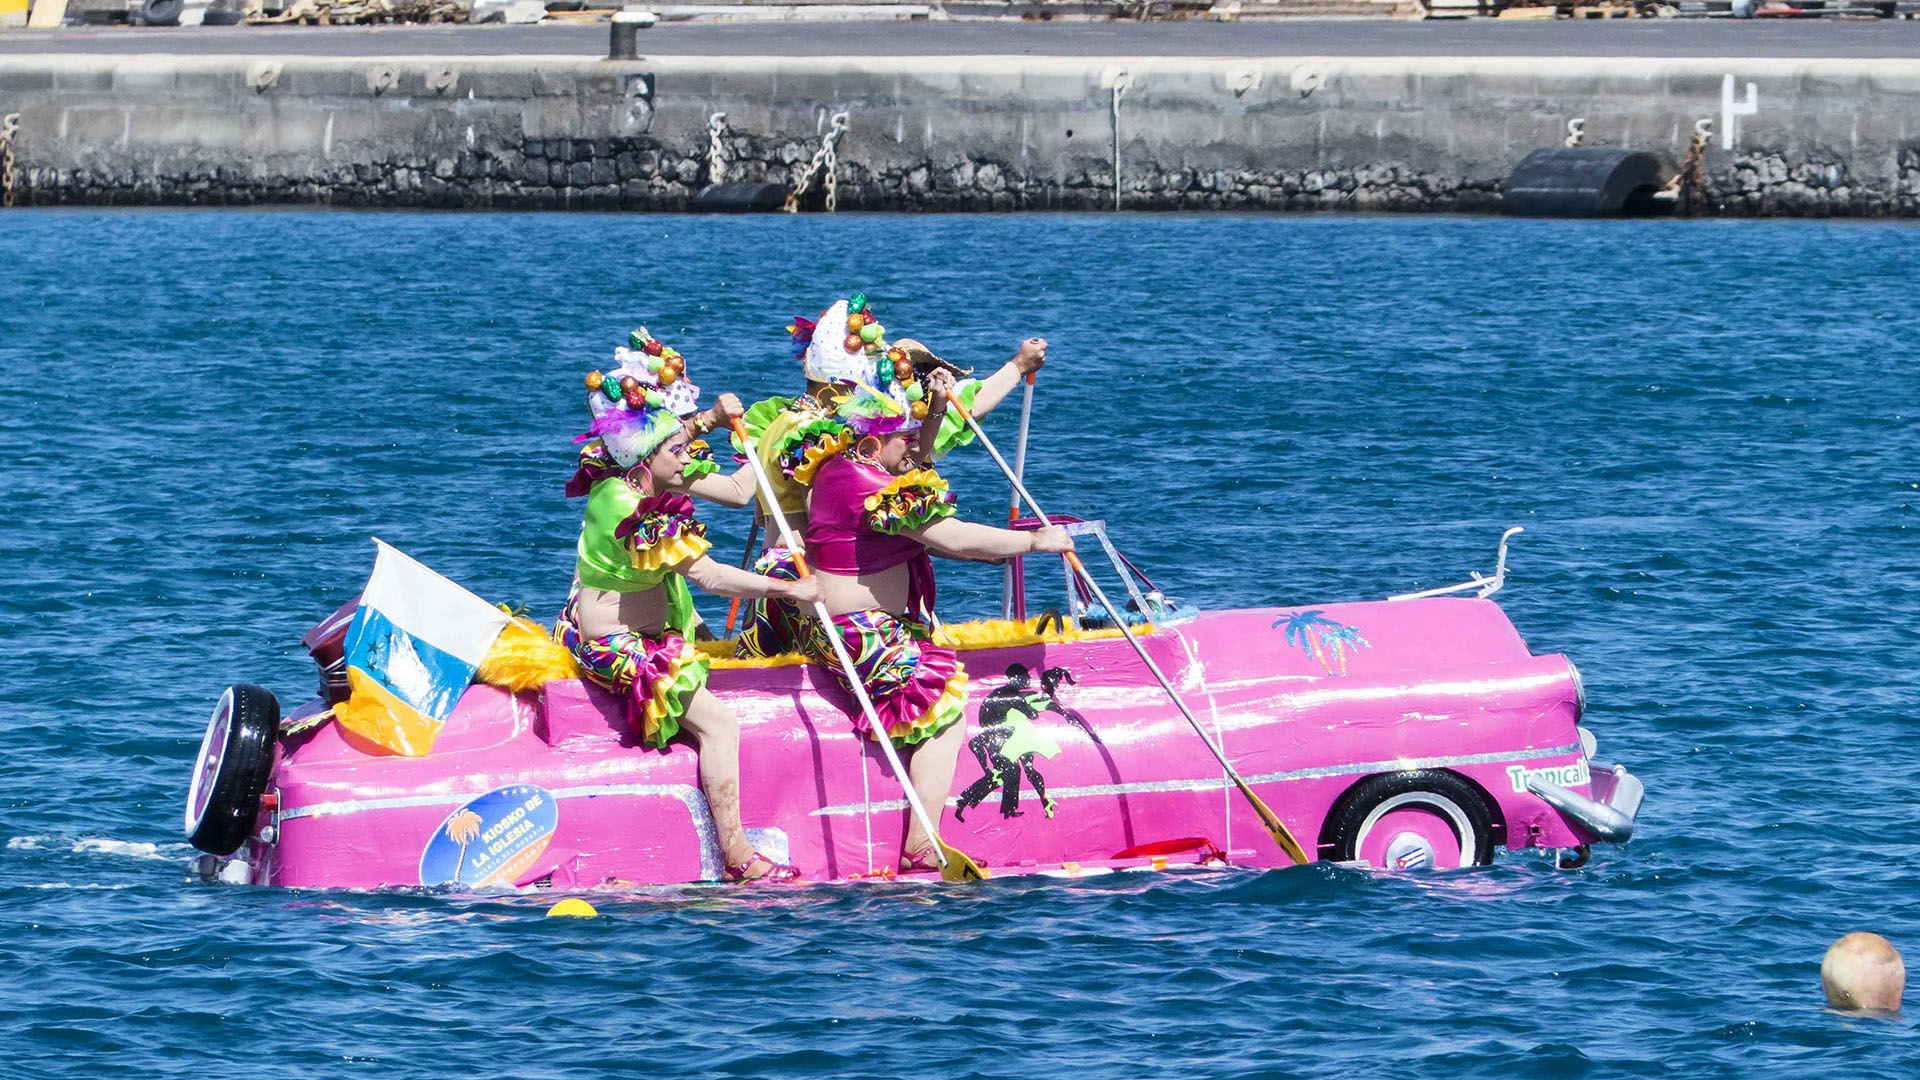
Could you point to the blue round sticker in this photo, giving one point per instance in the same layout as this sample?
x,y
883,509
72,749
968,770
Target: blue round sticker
x,y
492,839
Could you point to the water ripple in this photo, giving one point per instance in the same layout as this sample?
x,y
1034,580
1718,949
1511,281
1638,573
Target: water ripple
x,y
207,415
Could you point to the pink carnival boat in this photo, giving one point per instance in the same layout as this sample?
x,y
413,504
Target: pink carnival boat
x,y
1413,732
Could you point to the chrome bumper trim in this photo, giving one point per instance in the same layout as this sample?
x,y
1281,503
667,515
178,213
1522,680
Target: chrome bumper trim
x,y
1610,822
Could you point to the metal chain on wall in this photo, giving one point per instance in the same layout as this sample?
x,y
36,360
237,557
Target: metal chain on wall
x,y
1688,188
827,160
1692,178
9,127
716,148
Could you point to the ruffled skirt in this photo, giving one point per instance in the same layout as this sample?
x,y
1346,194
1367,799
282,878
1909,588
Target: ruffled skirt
x,y
658,676
773,627
918,688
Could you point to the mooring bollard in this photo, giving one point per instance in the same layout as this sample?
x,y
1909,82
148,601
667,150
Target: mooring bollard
x,y
625,41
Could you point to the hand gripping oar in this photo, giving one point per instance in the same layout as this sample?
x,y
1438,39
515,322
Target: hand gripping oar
x,y
954,864
1268,819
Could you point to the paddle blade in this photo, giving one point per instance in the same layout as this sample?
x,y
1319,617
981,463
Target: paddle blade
x,y
1274,826
958,866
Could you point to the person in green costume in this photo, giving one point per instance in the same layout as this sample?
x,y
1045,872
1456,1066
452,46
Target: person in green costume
x,y
793,437
629,619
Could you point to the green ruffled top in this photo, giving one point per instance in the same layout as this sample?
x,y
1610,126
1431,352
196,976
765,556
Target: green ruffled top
x,y
794,435
782,430
618,557
954,431
701,461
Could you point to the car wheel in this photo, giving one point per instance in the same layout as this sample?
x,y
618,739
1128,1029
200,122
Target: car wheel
x,y
1411,821
224,16
236,757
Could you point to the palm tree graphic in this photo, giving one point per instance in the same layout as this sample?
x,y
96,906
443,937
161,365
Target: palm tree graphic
x,y
1322,639
462,828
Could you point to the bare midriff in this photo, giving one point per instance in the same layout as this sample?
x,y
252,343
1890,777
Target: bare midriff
x,y
602,612
879,590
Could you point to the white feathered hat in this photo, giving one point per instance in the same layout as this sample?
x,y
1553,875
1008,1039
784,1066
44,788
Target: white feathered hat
x,y
827,358
634,424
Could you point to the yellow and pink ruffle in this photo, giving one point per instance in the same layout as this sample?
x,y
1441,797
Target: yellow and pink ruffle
x,y
657,676
662,532
909,502
918,689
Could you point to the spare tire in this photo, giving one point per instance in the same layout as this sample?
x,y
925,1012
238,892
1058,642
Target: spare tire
x,y
739,197
231,771
159,13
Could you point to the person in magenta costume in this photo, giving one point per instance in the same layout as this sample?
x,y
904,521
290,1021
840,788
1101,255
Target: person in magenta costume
x,y
792,437
629,620
874,514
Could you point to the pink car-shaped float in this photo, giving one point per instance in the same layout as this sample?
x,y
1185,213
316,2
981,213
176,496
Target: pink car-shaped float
x,y
1413,732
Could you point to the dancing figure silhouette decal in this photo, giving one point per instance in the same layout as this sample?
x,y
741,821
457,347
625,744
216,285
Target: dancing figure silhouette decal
x,y
1009,740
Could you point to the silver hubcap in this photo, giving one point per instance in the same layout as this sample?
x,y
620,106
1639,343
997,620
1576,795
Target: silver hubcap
x,y
1431,803
1409,851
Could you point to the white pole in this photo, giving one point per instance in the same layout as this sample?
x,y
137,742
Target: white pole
x,y
1019,473
840,654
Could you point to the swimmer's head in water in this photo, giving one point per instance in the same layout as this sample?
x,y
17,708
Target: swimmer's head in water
x,y
1863,972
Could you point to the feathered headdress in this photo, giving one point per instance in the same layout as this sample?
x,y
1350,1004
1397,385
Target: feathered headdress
x,y
639,404
869,411
847,346
660,367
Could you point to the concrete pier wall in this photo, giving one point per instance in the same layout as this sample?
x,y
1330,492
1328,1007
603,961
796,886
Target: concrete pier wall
x,y
1829,137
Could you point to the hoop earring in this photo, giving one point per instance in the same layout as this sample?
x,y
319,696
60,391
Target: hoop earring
x,y
868,447
646,479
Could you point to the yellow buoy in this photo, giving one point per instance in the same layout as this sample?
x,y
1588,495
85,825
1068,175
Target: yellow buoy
x,y
572,906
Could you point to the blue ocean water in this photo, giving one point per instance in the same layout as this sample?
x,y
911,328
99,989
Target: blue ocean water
x,y
1707,429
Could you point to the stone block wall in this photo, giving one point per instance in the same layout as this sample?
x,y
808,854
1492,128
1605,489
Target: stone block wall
x,y
941,134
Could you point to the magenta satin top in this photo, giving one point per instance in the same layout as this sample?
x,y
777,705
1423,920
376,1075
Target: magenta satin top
x,y
839,540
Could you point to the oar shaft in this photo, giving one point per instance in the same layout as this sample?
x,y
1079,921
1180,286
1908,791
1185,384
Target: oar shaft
x,y
828,631
1026,423
1267,817
1013,502
746,560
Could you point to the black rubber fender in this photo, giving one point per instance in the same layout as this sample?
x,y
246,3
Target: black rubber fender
x,y
1340,837
158,13
1584,182
224,16
739,197
231,771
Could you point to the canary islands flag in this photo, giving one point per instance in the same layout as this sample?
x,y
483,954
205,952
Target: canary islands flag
x,y
412,648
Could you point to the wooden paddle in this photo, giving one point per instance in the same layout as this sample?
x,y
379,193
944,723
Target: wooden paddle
x,y
954,863
1268,819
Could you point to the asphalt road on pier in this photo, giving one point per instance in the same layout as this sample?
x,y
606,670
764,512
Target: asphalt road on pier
x,y
1295,37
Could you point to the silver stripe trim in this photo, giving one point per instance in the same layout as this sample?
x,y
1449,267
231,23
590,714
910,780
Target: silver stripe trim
x,y
355,806
1215,783
1403,764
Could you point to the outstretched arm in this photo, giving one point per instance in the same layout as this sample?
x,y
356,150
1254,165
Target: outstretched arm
x,y
733,489
723,580
995,387
1073,717
958,539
